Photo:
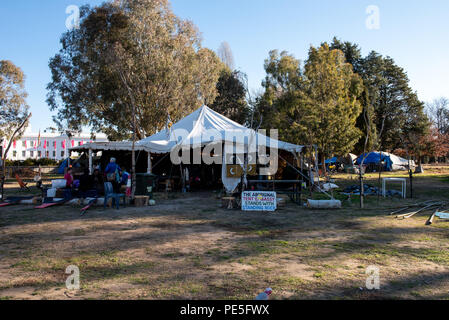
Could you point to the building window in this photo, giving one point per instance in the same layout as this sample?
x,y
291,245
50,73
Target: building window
x,y
31,154
54,154
14,154
62,154
47,154
79,143
23,154
39,154
24,144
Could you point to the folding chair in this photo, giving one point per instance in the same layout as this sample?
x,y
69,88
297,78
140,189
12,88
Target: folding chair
x,y
110,194
23,186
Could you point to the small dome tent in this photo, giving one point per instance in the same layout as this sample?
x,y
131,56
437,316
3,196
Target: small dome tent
x,y
391,161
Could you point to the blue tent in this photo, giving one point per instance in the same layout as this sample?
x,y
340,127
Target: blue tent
x,y
63,165
331,161
373,158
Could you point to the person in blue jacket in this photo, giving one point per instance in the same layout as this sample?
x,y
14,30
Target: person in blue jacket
x,y
124,175
112,170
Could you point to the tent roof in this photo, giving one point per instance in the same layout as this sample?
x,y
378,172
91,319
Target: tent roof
x,y
205,126
108,146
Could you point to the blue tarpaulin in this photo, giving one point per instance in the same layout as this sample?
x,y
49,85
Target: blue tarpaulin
x,y
373,158
331,161
63,165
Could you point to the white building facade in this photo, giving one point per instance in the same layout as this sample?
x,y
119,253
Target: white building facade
x,y
48,145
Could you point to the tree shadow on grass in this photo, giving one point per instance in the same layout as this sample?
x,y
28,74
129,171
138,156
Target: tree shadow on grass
x,y
414,286
259,236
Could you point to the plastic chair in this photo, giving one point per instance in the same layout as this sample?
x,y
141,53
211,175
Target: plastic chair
x,y
23,186
110,194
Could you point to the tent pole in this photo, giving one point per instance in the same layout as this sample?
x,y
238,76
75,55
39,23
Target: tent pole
x,y
90,162
150,165
380,176
311,175
183,179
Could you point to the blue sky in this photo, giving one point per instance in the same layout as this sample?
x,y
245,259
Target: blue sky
x,y
415,33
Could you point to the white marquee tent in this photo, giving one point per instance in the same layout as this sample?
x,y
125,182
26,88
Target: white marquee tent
x,y
202,127
205,126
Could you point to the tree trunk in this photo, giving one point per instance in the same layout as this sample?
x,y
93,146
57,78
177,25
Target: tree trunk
x,y
362,189
380,176
311,176
2,177
5,152
245,169
419,168
133,156
134,127
323,162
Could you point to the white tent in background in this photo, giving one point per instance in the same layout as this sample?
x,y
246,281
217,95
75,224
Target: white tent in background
x,y
399,163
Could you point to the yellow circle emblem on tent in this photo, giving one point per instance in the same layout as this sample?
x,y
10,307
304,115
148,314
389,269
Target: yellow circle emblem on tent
x,y
259,197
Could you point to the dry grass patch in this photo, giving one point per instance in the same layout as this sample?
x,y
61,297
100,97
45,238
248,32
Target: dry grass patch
x,y
187,247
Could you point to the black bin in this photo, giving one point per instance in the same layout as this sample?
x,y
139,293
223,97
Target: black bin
x,y
145,184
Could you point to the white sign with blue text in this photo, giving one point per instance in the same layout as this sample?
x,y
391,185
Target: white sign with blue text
x,y
259,201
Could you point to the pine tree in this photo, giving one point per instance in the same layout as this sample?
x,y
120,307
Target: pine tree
x,y
314,106
398,111
331,91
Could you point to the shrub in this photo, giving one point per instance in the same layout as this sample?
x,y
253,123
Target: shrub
x,y
32,162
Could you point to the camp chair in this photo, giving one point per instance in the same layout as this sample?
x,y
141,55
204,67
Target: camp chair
x,y
110,194
23,186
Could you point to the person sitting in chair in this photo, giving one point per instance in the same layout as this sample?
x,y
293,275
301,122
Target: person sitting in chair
x,y
69,183
69,178
124,176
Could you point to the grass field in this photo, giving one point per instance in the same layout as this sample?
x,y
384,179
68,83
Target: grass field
x,y
187,247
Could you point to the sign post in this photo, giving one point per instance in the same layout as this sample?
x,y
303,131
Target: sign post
x,y
259,201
